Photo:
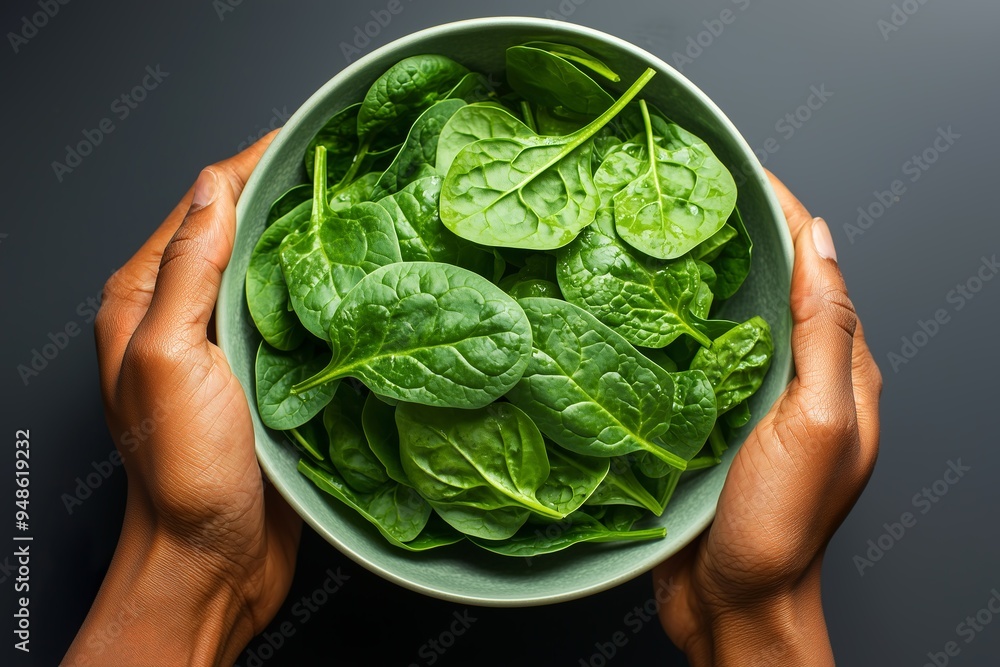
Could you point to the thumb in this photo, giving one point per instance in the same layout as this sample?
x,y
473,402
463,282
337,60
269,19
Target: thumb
x,y
823,315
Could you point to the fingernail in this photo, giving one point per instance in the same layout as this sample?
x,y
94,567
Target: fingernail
x,y
205,189
822,240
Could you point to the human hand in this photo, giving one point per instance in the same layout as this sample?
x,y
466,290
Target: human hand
x,y
206,554
748,588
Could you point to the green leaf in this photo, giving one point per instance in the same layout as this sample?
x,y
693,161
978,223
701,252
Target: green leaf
x,y
339,136
622,487
737,362
712,246
378,420
693,417
526,190
289,201
578,56
422,237
311,438
539,540
404,91
549,80
266,289
419,151
572,479
322,261
359,191
732,264
488,458
669,195
349,450
588,389
534,287
472,123
739,416
396,510
277,372
646,300
428,333
497,524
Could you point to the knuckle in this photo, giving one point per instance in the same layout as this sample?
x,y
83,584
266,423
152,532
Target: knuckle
x,y
839,309
151,354
826,421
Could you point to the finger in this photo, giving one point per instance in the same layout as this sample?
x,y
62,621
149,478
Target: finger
x,y
795,212
824,321
217,189
867,393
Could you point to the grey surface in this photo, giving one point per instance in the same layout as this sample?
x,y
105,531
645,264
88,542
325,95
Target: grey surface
x,y
890,97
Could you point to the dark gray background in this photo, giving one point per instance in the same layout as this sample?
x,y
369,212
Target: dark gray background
x,y
227,76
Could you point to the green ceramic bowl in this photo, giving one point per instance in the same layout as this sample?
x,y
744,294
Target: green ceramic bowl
x,y
462,572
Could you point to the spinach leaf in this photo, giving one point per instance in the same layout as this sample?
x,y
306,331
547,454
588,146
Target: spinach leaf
x,y
621,517
526,190
340,139
669,196
578,56
473,87
276,372
622,487
549,80
354,193
435,534
737,362
322,261
738,416
487,458
711,247
732,264
580,527
552,122
311,438
472,123
403,92
647,301
572,479
428,333
419,151
589,390
378,419
349,450
422,237
693,417
266,289
289,201
496,524
534,287
396,510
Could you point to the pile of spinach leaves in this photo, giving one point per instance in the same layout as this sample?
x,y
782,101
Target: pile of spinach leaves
x,y
489,316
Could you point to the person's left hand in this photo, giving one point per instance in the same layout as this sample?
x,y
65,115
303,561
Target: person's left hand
x,y
199,523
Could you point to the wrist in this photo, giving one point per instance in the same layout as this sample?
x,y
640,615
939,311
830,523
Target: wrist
x,y
786,627
162,604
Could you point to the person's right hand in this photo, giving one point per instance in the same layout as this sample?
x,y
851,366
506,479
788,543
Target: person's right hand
x,y
747,590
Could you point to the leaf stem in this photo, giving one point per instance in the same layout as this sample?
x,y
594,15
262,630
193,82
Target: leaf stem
x,y
717,442
306,445
703,462
633,535
320,203
591,129
529,118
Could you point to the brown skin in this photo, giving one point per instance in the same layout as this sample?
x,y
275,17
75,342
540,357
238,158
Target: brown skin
x,y
207,550
748,589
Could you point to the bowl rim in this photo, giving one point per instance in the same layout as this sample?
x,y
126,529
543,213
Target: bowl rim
x,y
686,534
